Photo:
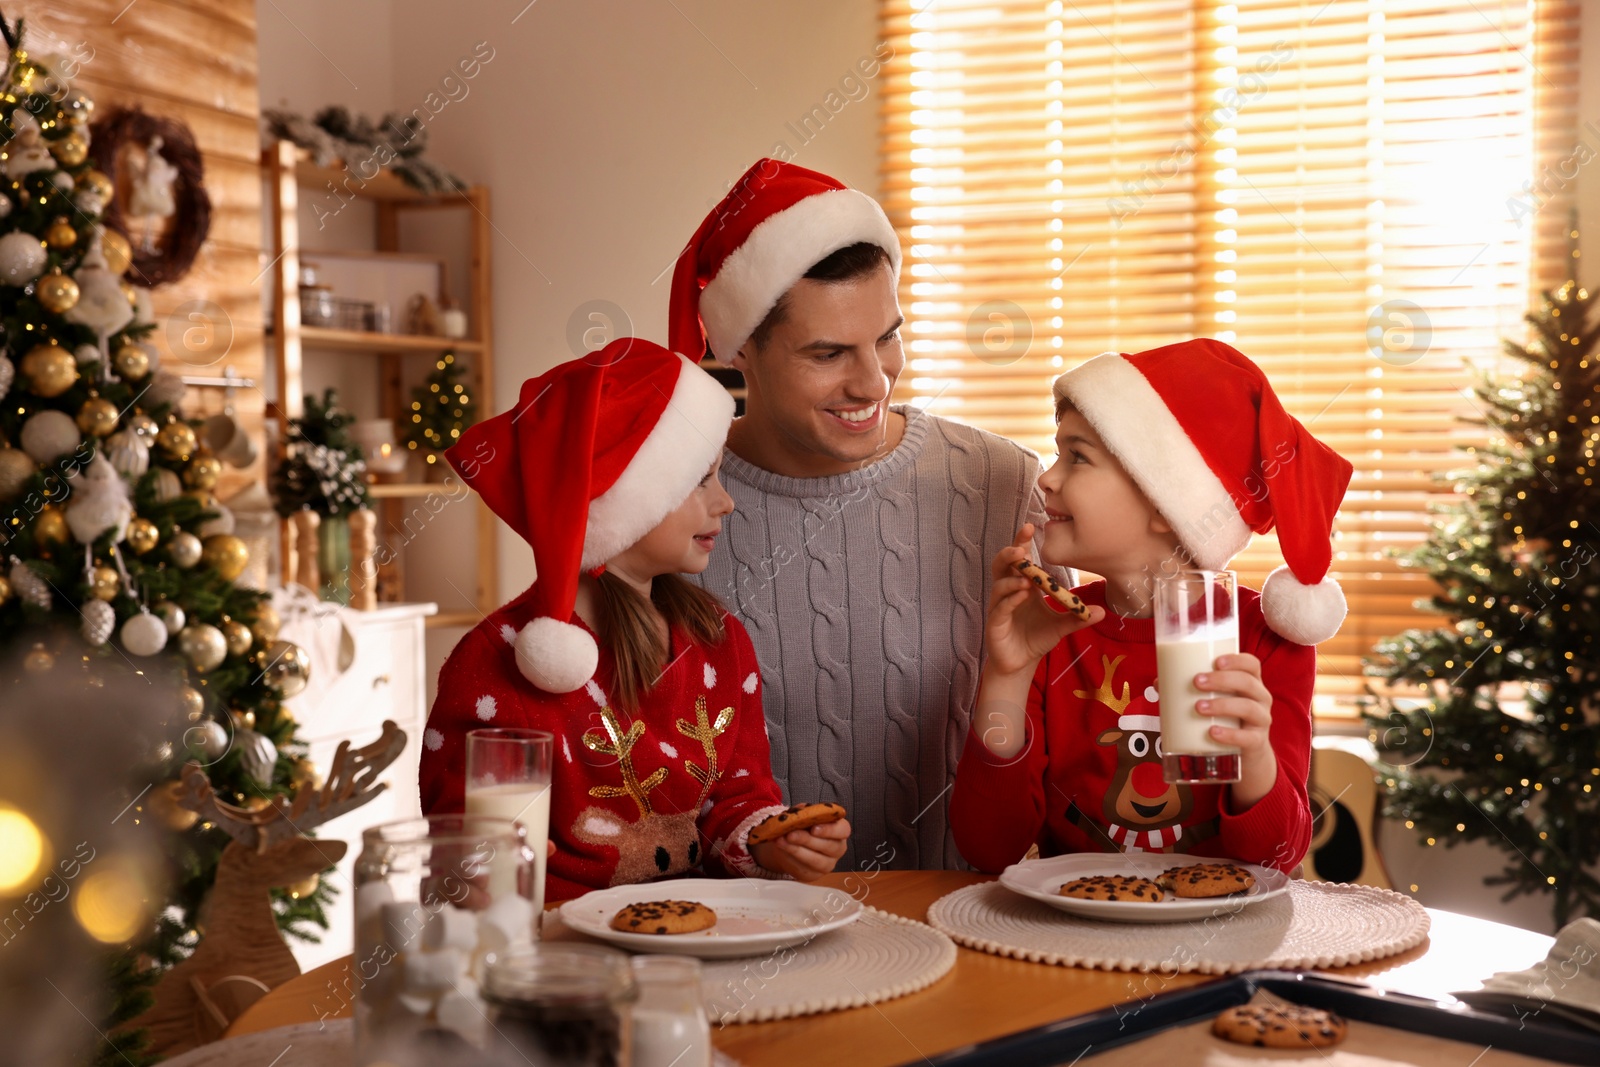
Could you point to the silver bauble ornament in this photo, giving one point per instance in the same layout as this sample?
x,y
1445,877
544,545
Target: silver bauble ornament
x,y
128,453
288,668
144,634
99,619
168,485
22,258
185,549
203,646
257,756
171,616
143,425
29,587
209,737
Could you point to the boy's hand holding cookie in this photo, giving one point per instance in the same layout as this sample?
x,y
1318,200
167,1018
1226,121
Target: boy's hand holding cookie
x,y
1021,625
808,851
1237,692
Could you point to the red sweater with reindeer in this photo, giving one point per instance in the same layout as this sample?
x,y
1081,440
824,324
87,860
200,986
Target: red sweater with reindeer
x,y
1089,776
670,790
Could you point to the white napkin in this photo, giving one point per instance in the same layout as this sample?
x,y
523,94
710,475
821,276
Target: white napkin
x,y
1569,975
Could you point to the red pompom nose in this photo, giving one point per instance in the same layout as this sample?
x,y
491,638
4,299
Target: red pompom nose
x,y
1147,779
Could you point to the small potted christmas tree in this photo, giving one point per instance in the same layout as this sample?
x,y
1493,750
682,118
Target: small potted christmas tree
x,y
440,409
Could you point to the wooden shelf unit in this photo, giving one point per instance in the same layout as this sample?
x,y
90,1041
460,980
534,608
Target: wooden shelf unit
x,y
288,169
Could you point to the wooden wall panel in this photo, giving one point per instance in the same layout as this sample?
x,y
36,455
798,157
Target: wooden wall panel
x,y
193,61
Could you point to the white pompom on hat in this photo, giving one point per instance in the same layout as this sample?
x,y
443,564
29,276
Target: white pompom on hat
x,y
1199,429
777,222
595,454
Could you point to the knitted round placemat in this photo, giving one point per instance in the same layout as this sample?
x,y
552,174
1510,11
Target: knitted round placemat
x,y
878,957
1314,924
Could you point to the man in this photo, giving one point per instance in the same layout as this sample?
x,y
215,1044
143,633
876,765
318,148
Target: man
x,y
858,552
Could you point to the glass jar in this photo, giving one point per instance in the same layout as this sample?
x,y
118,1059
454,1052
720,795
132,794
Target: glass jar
x,y
437,899
316,305
561,1005
670,1028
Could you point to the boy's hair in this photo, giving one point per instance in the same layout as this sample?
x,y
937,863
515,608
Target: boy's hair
x,y
846,264
1063,406
627,627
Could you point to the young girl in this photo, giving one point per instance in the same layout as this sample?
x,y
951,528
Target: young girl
x,y
608,468
1168,459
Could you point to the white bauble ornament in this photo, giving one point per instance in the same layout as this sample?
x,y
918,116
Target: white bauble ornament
x,y
171,616
99,619
49,435
165,390
257,756
29,587
6,206
62,180
222,524
128,453
98,502
8,374
209,737
202,645
86,354
168,485
144,634
185,549
23,258
101,304
89,201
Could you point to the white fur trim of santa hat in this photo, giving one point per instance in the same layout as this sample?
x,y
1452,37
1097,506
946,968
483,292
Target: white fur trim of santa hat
x,y
673,459
556,656
778,252
1144,435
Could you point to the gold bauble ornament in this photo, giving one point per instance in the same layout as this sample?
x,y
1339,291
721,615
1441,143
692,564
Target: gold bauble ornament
x,y
238,636
116,250
177,439
104,583
38,660
142,535
131,293
50,369
15,470
98,416
202,645
304,887
303,774
191,703
77,107
225,554
101,184
71,150
185,549
202,471
243,720
50,528
131,362
288,668
264,627
165,808
61,235
5,589
144,426
56,292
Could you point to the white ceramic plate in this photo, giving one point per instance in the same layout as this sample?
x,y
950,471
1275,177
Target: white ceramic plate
x,y
1042,880
754,916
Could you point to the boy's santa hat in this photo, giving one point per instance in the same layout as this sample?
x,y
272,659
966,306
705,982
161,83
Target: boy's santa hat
x,y
777,222
595,454
1199,429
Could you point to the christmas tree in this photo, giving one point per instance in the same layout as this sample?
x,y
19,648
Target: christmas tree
x,y
1502,741
440,410
113,550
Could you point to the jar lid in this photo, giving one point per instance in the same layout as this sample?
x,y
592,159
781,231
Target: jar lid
x,y
552,974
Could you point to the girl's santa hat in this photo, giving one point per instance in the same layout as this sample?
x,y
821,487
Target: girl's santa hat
x,y
595,454
777,222
1199,429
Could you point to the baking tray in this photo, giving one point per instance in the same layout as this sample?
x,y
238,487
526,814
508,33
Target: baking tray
x,y
1082,1037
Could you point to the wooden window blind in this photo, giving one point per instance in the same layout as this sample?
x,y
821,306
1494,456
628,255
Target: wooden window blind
x,y
1361,195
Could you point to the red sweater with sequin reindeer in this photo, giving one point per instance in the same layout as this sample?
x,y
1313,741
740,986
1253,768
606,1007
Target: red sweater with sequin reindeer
x,y
1089,776
673,789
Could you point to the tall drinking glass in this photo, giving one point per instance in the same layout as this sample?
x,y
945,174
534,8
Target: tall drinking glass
x,y
1197,620
508,777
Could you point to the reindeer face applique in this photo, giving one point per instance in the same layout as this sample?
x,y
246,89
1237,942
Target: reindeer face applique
x,y
656,844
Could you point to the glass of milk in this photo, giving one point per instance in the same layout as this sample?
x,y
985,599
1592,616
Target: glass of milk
x,y
1197,621
670,1028
508,777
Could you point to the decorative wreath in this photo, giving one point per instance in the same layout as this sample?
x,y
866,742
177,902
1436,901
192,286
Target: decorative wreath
x,y
192,220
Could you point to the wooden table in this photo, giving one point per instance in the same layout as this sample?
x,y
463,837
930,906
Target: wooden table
x,y
984,996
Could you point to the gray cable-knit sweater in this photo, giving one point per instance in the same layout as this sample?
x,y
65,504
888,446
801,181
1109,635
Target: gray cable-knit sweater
x,y
864,594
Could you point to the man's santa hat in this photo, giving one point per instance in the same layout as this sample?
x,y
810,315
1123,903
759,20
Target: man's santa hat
x,y
1199,429
777,222
595,454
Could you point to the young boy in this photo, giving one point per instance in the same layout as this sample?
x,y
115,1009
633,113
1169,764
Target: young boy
x,y
1168,460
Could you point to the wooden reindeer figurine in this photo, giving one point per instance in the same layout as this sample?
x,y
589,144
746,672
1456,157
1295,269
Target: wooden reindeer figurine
x,y
657,844
242,955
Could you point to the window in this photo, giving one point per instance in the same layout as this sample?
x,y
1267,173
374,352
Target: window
x,y
1361,195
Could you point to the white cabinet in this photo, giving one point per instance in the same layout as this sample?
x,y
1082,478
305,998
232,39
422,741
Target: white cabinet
x,y
383,677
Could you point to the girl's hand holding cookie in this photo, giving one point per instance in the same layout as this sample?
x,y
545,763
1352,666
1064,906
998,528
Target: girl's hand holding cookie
x,y
804,854
1021,627
1240,694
